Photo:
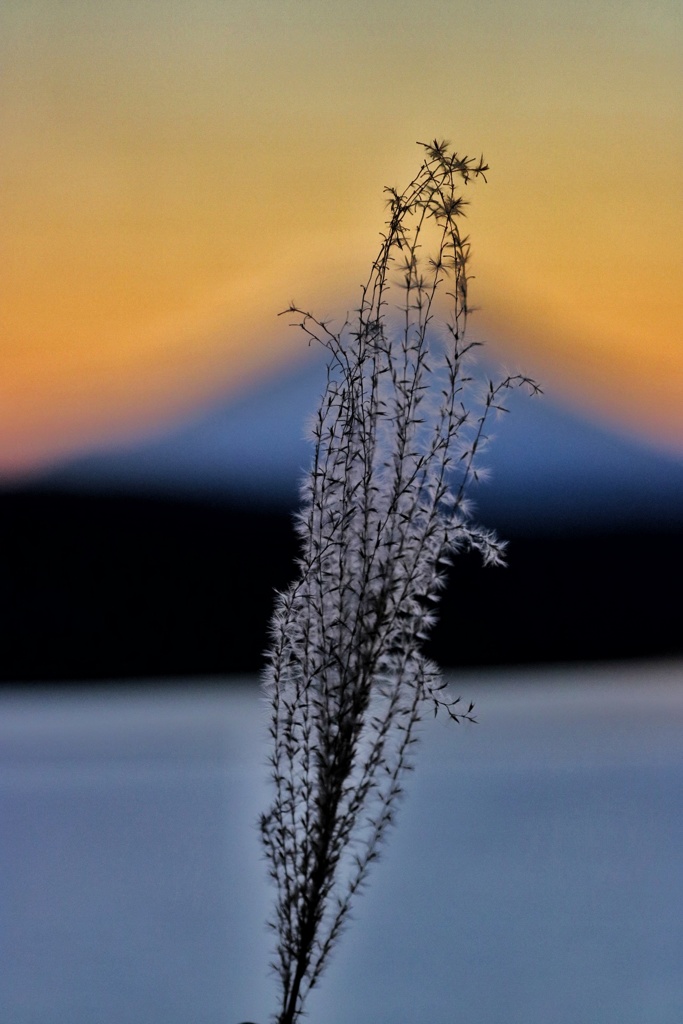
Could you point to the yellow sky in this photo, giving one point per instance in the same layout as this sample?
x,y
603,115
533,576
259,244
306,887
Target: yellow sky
x,y
174,173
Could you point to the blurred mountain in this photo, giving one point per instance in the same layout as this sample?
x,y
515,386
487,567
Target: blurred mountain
x,y
160,558
549,468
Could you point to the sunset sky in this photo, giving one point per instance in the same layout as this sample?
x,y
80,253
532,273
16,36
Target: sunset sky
x,y
175,172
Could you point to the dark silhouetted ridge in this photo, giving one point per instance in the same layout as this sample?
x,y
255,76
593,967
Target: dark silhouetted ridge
x,y
114,587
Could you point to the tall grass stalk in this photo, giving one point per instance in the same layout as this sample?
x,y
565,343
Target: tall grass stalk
x,y
395,445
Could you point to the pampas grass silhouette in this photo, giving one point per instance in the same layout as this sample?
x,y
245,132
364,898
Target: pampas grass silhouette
x,y
395,444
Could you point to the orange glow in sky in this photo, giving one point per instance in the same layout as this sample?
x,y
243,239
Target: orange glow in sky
x,y
173,174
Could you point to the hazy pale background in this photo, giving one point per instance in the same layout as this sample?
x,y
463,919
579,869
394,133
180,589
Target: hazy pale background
x,y
174,173
534,876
